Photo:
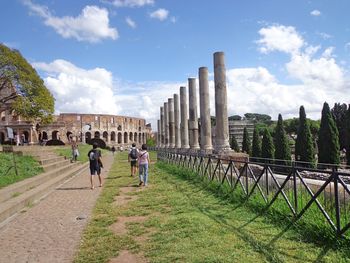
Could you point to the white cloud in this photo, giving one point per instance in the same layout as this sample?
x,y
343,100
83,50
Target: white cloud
x,y
279,38
315,12
129,3
325,36
79,90
160,14
131,23
91,25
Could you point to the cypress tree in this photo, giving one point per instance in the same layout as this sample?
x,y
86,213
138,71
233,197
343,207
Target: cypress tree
x,y
267,149
304,147
328,138
246,145
347,134
256,151
282,149
234,144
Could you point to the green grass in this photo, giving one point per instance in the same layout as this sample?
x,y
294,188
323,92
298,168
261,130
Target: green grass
x,y
27,167
190,220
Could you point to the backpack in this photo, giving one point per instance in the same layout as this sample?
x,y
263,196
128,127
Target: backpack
x,y
133,153
92,156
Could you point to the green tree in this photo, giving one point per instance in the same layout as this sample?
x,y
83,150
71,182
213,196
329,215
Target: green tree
x,y
235,118
32,100
267,148
256,148
347,134
328,138
304,147
246,144
282,149
151,142
234,144
339,115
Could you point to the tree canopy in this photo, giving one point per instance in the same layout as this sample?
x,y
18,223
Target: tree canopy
x,y
32,100
258,117
256,148
268,149
234,144
282,149
246,145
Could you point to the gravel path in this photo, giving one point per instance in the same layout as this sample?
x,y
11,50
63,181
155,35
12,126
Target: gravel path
x,y
50,231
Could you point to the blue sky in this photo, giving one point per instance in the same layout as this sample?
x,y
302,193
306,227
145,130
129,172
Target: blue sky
x,y
127,57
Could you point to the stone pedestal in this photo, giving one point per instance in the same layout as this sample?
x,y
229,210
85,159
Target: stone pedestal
x,y
221,131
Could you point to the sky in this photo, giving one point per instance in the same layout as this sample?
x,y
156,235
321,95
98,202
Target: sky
x,y
127,57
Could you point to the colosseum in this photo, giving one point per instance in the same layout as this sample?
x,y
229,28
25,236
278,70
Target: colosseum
x,y
118,131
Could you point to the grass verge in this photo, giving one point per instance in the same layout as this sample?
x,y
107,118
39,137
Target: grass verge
x,y
188,220
83,151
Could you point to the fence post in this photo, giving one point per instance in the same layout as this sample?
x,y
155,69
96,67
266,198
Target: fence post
x,y
336,197
295,189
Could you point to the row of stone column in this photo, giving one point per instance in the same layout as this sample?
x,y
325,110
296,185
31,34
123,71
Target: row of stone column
x,y
177,129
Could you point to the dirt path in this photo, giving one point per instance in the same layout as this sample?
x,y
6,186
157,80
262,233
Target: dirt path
x,y
50,231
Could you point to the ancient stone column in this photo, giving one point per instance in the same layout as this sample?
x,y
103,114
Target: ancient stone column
x,y
171,123
158,133
184,119
166,125
221,130
162,125
177,122
193,115
204,104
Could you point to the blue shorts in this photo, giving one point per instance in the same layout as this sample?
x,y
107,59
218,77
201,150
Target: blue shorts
x,y
95,169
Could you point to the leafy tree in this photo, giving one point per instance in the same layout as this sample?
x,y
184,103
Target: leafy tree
x,y
304,147
267,149
32,100
246,145
258,117
256,148
328,141
347,134
235,118
282,149
339,115
234,144
151,142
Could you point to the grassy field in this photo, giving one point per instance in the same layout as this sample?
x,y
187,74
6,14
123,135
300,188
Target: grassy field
x,y
188,220
83,151
27,167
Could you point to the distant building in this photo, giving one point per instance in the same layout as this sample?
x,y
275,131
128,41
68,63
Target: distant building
x,y
236,129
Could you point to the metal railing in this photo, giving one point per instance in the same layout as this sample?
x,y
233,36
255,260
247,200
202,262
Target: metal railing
x,y
300,189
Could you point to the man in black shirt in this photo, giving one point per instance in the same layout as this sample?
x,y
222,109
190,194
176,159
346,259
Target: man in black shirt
x,y
95,164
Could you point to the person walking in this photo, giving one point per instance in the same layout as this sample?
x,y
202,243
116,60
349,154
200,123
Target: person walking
x,y
95,159
113,150
132,159
144,161
75,151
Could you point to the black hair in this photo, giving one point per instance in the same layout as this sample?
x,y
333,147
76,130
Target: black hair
x,y
94,145
133,144
144,147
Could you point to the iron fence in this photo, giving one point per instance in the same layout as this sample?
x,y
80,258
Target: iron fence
x,y
299,188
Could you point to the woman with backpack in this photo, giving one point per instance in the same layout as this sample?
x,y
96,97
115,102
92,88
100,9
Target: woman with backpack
x,y
132,158
143,158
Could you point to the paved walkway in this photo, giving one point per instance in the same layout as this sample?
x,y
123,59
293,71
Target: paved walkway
x,y
50,231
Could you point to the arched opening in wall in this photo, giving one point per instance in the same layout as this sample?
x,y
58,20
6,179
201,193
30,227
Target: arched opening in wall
x,y
3,116
143,138
140,138
125,137
55,135
119,127
113,136
87,137
97,135
135,137
105,136
69,136
130,136
26,136
2,137
120,137
44,136
139,128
